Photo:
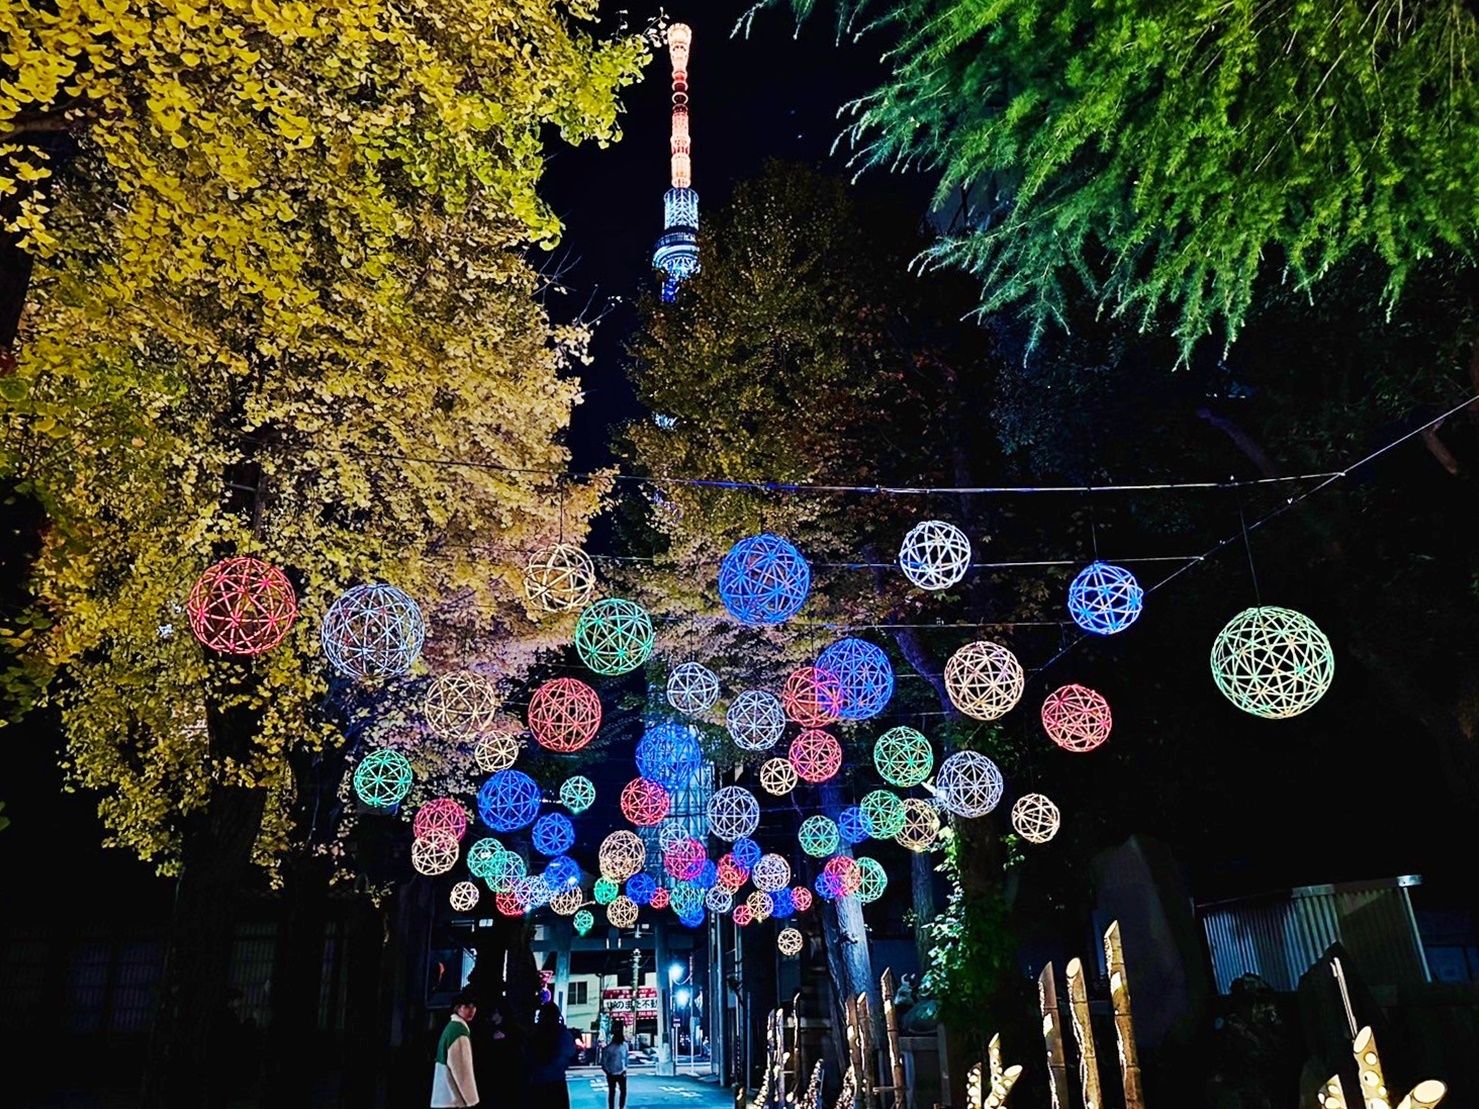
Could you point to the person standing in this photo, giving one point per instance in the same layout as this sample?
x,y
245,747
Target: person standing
x,y
453,1085
614,1063
551,1051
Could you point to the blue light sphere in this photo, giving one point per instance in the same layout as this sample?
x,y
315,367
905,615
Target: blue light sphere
x,y
828,885
866,676
783,903
669,754
853,825
694,919
1105,599
708,875
641,886
763,580
553,834
562,873
509,800
746,852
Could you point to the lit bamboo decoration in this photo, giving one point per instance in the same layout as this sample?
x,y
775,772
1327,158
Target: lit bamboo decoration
x,y
1124,1021
848,1098
867,1047
1333,1095
1424,1095
1002,1081
814,1087
1052,1034
974,1099
891,1028
854,1040
1083,1035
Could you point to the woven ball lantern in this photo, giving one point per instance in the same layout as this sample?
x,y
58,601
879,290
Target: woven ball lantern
x,y
505,871
719,900
742,915
686,897
500,748
875,880
1105,599
684,859
242,606
559,577
756,720
812,697
509,800
434,854
622,912
373,631
827,886
777,777
605,891
746,852
577,793
782,905
640,887
815,755
564,715
621,855
847,872
818,836
984,680
865,674
853,825
660,898
692,688
614,636
481,856
561,874
733,812
1035,818
440,815
935,554
731,875
1272,662
760,905
789,942
763,580
903,757
885,812
801,898
644,802
771,873
921,825
383,778
553,834
583,922
1076,718
567,902
669,755
968,784
532,891
461,705
508,903
464,897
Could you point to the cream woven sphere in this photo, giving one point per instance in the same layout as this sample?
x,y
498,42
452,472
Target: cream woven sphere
x,y
464,897
760,905
733,812
568,902
984,680
461,705
559,577
692,688
777,777
789,942
771,873
921,825
935,554
434,853
622,854
500,748
1035,818
968,784
622,912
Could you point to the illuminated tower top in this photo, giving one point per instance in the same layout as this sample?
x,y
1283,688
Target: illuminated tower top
x,y
677,250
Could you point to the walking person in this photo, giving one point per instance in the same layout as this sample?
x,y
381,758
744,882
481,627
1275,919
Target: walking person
x,y
551,1051
453,1085
614,1063
498,1057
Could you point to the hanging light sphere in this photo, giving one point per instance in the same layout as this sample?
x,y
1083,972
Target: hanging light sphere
x,y
731,875
1272,662
481,856
660,898
568,901
561,874
875,880
777,777
968,784
242,606
746,852
670,832
694,919
885,812
509,800
782,904
756,720
1035,818
686,897
788,942
935,555
622,912
733,812
684,859
509,904
583,922
847,872
812,697
827,886
1076,718
532,891
692,688
440,815
559,577
553,834
614,636
903,757
669,755
564,715
640,887
763,580
719,899
742,915
760,905
373,631
771,873
504,872
708,875
605,891
1105,599
500,748
984,680
644,802
464,897
853,825
865,675
818,836
815,755
434,854
577,793
801,898
621,855
461,705
383,778
921,825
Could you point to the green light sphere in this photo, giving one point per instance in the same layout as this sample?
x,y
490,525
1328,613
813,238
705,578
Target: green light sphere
x,y
875,879
818,836
605,891
885,812
614,636
583,921
1272,662
903,757
383,778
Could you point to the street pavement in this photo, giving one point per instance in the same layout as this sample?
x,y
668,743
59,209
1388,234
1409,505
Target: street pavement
x,y
588,1091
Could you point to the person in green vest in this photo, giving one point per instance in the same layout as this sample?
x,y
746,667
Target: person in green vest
x,y
453,1085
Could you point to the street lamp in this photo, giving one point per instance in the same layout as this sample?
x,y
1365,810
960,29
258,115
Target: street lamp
x,y
675,972
683,998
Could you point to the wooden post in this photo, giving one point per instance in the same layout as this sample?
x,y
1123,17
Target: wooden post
x,y
1124,1021
1002,1081
891,1029
866,1048
1052,1034
1083,1035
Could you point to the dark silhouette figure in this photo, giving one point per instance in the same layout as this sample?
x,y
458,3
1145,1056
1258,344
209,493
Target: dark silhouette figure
x,y
551,1051
499,1057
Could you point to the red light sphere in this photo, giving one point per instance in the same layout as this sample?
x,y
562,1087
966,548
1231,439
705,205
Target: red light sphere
x,y
815,755
564,715
440,815
509,904
242,606
660,898
801,898
812,697
731,875
685,859
847,873
742,915
1076,718
644,802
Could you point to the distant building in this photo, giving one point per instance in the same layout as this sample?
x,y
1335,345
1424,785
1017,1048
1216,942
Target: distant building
x,y
676,255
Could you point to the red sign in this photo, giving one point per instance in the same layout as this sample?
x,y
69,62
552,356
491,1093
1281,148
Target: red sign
x,y
617,1000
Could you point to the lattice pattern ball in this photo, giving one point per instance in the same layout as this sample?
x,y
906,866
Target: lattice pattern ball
x,y
865,674
788,942
567,902
553,834
756,720
605,891
692,688
827,886
461,705
746,852
373,631
440,815
640,887
708,875
1076,718
935,554
733,812
660,898
383,778
622,912
508,800
532,891
903,757
760,905
719,899
885,811
783,905
777,777
921,825
508,903
686,898
730,873
242,606
684,859
771,873
562,873
577,793
853,825
464,897
1272,662
1035,818
742,915
434,854
847,872
984,680
559,577
763,580
669,755
481,855
968,784
583,922
815,755
614,636
875,880
621,855
644,802
500,748
818,836
1105,599
504,872
801,898
812,697
564,715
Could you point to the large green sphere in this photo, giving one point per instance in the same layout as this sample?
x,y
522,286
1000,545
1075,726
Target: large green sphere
x,y
903,757
818,836
614,636
885,812
875,879
383,778
1272,662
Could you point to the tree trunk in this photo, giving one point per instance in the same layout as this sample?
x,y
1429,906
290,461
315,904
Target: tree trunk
x,y
297,972
365,1030
922,899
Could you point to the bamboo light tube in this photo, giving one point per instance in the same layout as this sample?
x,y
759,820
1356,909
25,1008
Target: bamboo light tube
x,y
1368,1063
1052,1034
1424,1095
1083,1035
866,1048
974,1097
1124,1021
814,1087
1332,1095
891,1030
1002,1081
848,1098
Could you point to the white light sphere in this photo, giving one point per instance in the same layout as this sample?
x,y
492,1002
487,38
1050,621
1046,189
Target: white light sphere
x,y
733,813
434,853
789,942
760,905
461,705
464,897
921,825
771,873
622,912
568,902
777,777
984,680
935,554
621,855
373,631
500,748
968,784
756,720
719,900
559,577
1035,818
692,688
1272,662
